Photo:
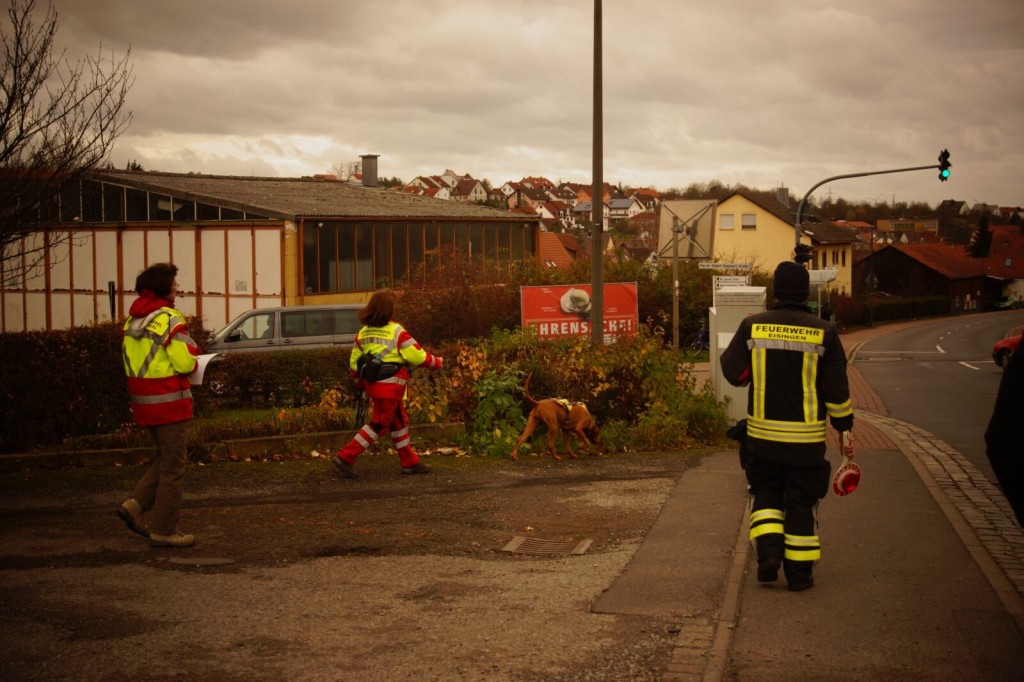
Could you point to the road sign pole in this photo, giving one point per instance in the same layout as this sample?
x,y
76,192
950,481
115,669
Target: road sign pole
x,y
676,231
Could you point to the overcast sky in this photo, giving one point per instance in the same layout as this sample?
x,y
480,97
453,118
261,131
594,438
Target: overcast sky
x,y
767,93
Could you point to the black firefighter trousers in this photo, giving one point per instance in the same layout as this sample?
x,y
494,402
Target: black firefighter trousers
x,y
782,522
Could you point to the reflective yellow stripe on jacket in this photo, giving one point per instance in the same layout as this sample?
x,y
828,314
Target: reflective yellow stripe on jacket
x,y
766,338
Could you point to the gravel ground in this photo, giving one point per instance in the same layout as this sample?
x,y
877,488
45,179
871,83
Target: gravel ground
x,y
298,574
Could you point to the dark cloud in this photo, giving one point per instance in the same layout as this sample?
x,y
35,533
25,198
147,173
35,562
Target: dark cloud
x,y
765,93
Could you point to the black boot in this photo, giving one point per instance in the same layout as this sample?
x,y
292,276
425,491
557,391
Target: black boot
x,y
768,569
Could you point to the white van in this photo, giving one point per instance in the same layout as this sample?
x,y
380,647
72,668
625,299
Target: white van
x,y
284,328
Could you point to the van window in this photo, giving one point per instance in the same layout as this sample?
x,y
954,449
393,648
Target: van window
x,y
306,323
346,322
257,326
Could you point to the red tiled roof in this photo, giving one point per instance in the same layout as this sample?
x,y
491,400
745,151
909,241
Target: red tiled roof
x,y
558,248
950,260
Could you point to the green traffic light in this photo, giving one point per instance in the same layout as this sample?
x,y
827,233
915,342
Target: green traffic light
x,y
944,165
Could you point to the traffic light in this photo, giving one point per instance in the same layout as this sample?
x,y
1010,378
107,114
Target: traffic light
x,y
803,254
944,165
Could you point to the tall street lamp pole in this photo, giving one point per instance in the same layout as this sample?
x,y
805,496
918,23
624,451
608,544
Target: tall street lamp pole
x,y
597,195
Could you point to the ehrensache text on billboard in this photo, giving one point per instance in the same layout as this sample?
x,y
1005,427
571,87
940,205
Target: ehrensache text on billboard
x,y
561,310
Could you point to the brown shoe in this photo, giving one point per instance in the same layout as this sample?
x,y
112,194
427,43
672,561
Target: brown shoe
x,y
417,468
176,539
131,512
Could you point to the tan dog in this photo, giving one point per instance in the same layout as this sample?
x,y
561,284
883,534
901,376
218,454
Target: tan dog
x,y
559,415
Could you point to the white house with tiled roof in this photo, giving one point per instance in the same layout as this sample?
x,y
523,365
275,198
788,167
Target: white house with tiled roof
x,y
468,189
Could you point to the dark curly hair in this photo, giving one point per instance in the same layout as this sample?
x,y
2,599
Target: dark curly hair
x,y
157,278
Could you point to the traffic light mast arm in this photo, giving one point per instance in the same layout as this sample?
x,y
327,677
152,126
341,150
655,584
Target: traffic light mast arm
x,y
803,202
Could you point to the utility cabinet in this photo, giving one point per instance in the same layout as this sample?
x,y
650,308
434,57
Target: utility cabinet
x,y
731,305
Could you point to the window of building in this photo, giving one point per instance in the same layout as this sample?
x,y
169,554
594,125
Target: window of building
x,y
382,256
476,240
113,203
835,257
309,260
135,205
70,207
345,264
415,249
327,257
92,201
95,201
749,221
207,212
342,256
159,206
400,250
842,257
726,221
462,238
364,257
447,236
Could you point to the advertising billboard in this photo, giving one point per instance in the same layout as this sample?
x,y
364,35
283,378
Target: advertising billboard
x,y
560,310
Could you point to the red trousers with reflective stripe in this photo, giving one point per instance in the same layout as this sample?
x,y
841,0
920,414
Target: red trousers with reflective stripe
x,y
389,416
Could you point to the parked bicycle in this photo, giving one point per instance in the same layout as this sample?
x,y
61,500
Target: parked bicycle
x,y
696,343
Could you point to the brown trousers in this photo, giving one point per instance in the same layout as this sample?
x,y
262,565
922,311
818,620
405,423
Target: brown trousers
x,y
160,488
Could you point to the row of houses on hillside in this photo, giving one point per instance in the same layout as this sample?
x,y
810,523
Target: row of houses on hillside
x,y
757,230
243,243
561,207
1005,214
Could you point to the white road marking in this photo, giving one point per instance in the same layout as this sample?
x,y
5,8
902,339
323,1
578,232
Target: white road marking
x,y
970,366
939,348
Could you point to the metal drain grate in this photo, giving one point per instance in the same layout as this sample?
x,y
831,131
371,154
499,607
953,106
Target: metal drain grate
x,y
524,545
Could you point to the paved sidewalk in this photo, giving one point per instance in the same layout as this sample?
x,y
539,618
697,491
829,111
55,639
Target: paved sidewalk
x,y
921,577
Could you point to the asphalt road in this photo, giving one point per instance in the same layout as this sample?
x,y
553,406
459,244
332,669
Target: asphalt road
x,y
941,377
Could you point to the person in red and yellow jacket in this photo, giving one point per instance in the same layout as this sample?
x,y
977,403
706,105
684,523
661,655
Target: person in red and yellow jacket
x,y
383,338
159,355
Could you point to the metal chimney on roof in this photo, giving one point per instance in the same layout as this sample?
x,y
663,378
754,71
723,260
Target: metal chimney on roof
x,y
369,169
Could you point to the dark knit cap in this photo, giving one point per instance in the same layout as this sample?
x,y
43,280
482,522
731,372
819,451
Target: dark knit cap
x,y
792,283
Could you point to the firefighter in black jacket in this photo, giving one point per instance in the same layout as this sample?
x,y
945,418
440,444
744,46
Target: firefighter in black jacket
x,y
794,364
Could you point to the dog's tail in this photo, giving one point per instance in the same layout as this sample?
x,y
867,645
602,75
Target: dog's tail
x,y
526,389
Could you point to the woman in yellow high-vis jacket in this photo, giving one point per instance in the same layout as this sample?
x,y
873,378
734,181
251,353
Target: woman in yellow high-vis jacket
x,y
397,351
159,355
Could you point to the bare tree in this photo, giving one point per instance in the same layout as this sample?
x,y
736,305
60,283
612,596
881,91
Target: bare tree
x,y
58,119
